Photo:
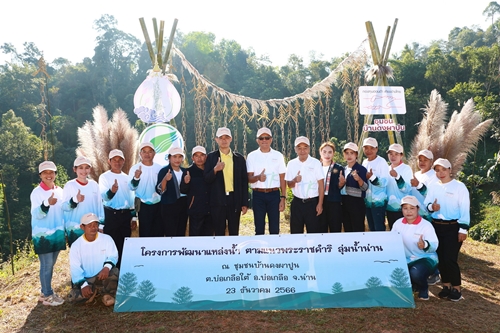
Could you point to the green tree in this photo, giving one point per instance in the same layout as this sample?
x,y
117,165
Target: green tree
x,y
400,278
146,291
490,11
337,288
128,284
373,282
183,295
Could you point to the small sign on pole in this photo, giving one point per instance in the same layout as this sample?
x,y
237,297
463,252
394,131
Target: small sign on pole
x,y
374,100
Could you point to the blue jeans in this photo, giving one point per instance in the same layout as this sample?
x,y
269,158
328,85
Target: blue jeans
x,y
266,203
376,218
419,272
47,262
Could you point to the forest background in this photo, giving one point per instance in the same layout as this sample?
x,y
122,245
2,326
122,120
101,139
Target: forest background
x,y
41,115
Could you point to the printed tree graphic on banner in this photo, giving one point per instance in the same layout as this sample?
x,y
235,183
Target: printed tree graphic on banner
x,y
399,278
373,282
146,291
128,284
183,295
337,288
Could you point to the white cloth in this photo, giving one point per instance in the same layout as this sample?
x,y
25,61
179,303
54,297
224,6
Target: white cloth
x,y
123,198
86,259
146,189
311,171
273,163
453,198
91,204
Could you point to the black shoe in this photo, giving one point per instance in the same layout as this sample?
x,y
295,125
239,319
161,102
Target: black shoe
x,y
445,292
433,279
455,295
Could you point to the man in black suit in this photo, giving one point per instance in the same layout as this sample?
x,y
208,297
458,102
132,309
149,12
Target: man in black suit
x,y
226,173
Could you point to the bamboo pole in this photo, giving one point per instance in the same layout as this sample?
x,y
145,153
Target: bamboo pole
x,y
148,41
169,45
159,44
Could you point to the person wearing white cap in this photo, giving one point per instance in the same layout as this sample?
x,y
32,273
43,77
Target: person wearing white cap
x,y
197,191
376,195
448,202
92,260
143,177
331,218
226,173
81,196
304,175
47,226
118,199
173,203
422,180
420,243
353,189
266,175
398,184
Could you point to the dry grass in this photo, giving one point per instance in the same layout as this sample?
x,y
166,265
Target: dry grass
x,y
479,312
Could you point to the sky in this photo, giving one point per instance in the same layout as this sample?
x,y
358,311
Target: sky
x,y
272,28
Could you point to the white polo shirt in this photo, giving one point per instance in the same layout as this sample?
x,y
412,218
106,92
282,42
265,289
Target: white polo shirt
x,y
311,171
273,163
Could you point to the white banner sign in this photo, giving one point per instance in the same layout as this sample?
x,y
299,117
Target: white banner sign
x,y
382,100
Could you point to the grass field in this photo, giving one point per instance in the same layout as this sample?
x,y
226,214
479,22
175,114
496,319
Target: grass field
x,y
479,312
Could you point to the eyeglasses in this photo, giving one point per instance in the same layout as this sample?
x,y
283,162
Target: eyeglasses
x,y
264,138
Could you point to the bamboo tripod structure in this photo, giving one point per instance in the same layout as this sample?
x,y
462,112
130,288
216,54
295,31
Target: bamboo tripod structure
x,y
380,60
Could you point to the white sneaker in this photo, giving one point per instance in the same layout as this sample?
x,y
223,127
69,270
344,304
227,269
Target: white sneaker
x,y
53,300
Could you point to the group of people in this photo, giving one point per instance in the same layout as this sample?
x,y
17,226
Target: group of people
x,y
212,193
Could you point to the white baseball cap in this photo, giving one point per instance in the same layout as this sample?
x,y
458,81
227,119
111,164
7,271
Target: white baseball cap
x,y
81,160
89,218
396,147
223,131
426,153
116,152
370,142
146,144
264,130
47,165
442,162
411,200
301,139
176,151
198,149
351,146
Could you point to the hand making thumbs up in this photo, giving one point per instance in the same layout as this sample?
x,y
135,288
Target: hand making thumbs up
x,y
298,178
114,188
421,242
414,182
341,179
52,201
262,176
138,172
435,206
79,197
168,176
369,174
355,175
393,172
187,178
219,166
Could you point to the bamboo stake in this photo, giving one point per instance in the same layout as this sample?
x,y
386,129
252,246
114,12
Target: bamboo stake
x,y
159,44
386,55
169,46
148,41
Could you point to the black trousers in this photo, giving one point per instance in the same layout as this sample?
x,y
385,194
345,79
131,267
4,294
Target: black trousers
x,y
150,222
447,252
221,214
331,218
303,213
174,218
201,225
393,217
353,213
117,225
